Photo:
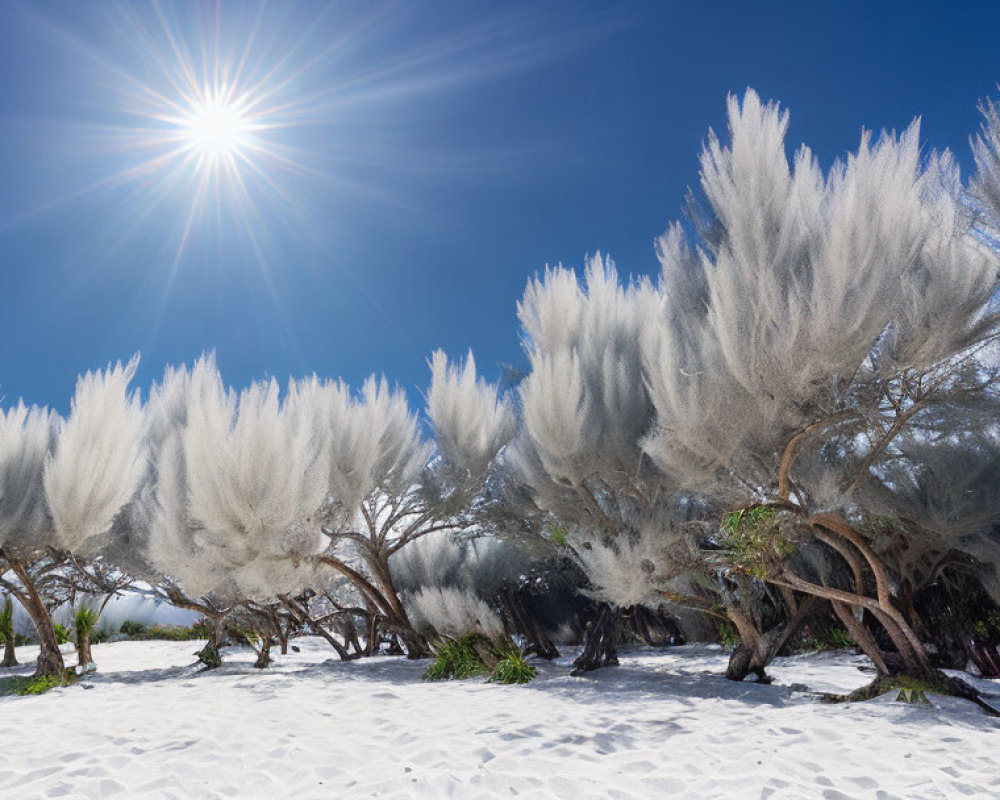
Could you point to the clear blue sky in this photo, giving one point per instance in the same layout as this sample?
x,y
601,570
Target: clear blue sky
x,y
441,153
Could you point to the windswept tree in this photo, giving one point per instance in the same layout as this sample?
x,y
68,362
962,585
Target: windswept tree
x,y
239,480
389,486
585,408
63,484
817,319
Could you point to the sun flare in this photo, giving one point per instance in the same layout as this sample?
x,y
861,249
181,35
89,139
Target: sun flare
x,y
217,127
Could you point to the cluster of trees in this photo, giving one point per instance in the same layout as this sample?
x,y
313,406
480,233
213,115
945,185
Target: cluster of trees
x,y
796,419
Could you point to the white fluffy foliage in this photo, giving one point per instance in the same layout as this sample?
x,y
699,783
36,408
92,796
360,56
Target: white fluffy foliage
x,y
471,421
26,437
803,276
238,481
985,184
453,612
584,403
628,570
99,459
375,439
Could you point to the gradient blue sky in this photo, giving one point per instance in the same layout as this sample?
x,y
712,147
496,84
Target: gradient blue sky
x,y
447,151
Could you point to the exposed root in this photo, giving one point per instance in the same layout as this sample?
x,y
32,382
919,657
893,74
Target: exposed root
x,y
915,690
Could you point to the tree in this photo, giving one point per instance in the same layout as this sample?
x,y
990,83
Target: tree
x,y
585,408
834,314
387,486
63,484
238,482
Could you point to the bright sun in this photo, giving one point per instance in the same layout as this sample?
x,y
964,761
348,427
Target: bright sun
x,y
217,127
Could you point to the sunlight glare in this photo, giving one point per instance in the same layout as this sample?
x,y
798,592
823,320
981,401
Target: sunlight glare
x,y
217,127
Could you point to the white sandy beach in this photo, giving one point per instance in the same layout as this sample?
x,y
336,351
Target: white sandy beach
x,y
662,724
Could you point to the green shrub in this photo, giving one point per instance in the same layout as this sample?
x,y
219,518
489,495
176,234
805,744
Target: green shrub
x,y
559,534
173,633
85,620
830,639
25,685
132,629
728,635
62,635
99,635
457,658
754,540
513,668
985,628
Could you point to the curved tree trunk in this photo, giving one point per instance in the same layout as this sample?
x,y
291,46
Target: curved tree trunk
x,y
383,598
600,648
415,644
751,654
209,655
757,649
50,660
302,617
654,627
264,653
520,609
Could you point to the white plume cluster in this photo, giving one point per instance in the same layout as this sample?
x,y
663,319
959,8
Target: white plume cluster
x,y
453,612
810,283
239,480
629,570
584,403
375,439
471,421
26,438
99,457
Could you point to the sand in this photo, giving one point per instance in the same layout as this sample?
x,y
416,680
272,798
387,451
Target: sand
x,y
664,723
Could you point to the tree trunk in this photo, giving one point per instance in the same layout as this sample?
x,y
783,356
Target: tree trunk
x,y
9,656
757,649
599,641
371,646
280,632
264,654
751,654
209,655
350,634
301,615
519,607
862,637
984,654
9,639
83,654
50,660
415,644
654,627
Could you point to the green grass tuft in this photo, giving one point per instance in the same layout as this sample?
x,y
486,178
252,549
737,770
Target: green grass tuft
x,y
62,635
513,668
85,620
28,685
754,540
456,658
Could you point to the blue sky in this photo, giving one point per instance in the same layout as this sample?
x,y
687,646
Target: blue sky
x,y
433,156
